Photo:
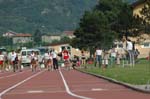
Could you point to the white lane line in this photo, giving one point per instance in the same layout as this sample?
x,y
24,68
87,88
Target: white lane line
x,y
13,75
97,89
68,90
35,91
16,85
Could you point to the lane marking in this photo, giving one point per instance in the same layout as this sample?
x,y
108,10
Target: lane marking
x,y
13,74
26,92
68,90
16,85
35,91
97,89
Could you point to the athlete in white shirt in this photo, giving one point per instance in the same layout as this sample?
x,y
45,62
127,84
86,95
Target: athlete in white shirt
x,y
129,45
130,51
98,55
12,58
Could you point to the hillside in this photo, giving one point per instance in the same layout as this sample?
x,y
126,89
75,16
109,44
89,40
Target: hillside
x,y
131,1
46,15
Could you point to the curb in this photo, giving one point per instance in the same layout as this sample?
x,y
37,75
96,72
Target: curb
x,y
117,82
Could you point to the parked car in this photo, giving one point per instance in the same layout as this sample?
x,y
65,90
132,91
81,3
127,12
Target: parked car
x,y
26,58
3,50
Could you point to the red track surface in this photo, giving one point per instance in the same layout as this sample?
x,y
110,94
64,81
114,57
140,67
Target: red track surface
x,y
50,85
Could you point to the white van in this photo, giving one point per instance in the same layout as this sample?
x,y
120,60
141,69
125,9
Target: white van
x,y
26,58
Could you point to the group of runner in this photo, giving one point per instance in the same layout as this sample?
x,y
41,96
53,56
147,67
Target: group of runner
x,y
50,60
13,60
9,61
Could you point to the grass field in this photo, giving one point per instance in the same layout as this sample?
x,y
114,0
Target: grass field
x,y
137,75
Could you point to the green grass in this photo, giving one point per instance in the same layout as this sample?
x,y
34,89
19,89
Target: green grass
x,y
138,75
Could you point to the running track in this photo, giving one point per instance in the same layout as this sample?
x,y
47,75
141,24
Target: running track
x,y
61,84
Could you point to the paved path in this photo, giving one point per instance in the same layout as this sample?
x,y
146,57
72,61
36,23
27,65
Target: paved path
x,y
62,84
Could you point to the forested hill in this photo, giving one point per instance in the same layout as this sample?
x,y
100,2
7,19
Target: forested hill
x,y
46,15
26,16
130,1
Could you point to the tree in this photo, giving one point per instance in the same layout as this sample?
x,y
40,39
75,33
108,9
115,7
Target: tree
x,y
93,31
5,41
137,26
100,27
37,37
124,21
119,15
65,39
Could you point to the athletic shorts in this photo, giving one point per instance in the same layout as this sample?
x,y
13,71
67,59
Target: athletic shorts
x,y
1,62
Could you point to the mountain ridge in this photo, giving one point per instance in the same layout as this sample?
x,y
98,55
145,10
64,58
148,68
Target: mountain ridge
x,y
26,16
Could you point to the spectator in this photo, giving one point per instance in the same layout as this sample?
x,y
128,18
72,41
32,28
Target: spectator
x,y
83,59
136,53
98,56
130,51
55,61
113,55
105,59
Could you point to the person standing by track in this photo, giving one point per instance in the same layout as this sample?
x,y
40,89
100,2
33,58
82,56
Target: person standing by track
x,y
83,59
98,56
55,61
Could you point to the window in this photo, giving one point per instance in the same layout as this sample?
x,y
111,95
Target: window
x,y
120,46
24,53
2,49
146,45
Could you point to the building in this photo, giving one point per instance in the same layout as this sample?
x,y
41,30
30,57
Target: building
x,y
9,34
22,38
137,7
50,38
68,34
142,41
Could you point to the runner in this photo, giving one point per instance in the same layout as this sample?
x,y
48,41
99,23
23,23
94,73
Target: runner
x,y
6,62
33,61
20,66
49,63
66,58
36,57
1,61
12,58
16,63
75,61
46,58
